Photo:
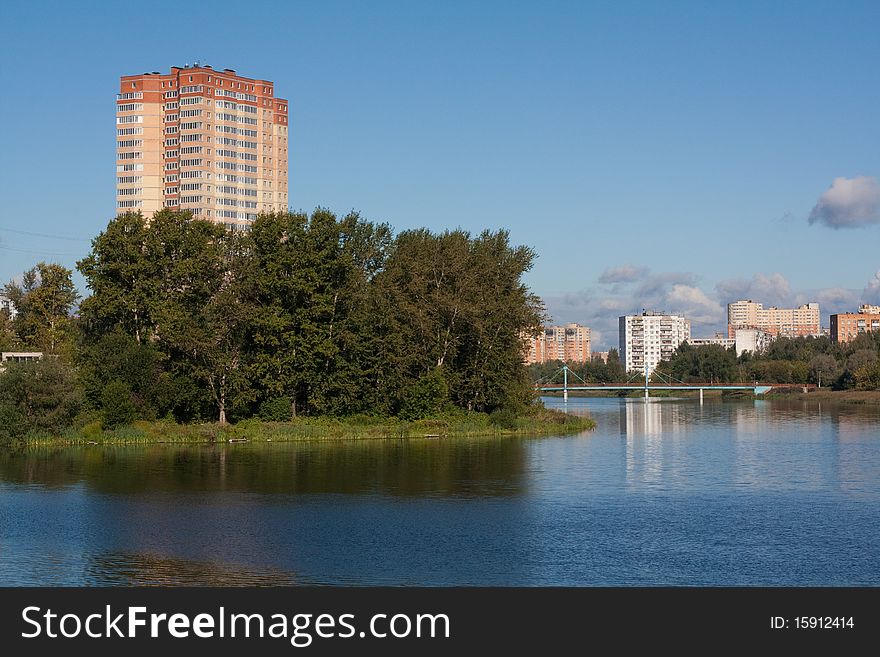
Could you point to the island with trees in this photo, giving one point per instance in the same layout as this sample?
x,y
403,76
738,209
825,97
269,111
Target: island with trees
x,y
304,326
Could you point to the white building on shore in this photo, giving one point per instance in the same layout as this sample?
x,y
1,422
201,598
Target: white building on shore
x,y
648,338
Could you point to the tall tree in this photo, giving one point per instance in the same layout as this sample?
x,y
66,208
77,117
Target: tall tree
x,y
458,303
122,279
44,300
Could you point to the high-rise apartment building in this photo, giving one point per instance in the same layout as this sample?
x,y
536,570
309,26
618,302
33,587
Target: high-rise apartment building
x,y
777,322
648,338
569,343
848,326
212,142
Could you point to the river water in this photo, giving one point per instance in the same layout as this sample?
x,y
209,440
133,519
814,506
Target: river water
x,y
668,492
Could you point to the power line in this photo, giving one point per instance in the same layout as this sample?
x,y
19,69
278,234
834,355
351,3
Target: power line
x,y
59,237
38,253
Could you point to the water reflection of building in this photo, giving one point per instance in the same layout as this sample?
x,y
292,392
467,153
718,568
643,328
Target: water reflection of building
x,y
651,427
650,418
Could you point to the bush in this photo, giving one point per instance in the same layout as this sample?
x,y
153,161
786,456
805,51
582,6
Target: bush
x,y
276,410
868,377
427,397
37,397
504,419
92,430
118,407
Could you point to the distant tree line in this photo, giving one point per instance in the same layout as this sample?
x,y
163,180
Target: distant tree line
x,y
818,360
304,314
595,370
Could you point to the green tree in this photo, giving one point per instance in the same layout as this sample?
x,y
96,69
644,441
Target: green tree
x,y
201,312
868,377
7,333
118,406
123,279
287,339
178,287
458,302
44,300
823,368
861,358
37,397
318,337
426,397
117,356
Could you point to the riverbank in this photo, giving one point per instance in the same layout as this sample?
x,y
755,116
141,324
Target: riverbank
x,y
458,425
839,396
640,394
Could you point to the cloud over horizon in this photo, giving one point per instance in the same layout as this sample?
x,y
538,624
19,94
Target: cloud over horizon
x,y
872,289
622,274
848,203
769,289
599,306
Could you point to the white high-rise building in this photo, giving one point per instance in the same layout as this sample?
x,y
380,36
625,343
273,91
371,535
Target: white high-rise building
x,y
648,338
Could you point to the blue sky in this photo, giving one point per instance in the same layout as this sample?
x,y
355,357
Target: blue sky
x,y
676,151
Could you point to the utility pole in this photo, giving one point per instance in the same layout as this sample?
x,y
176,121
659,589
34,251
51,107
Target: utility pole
x,y
565,383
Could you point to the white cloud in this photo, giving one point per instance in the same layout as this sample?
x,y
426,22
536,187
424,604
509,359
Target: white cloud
x,y
771,290
600,306
848,203
693,303
623,274
831,300
872,289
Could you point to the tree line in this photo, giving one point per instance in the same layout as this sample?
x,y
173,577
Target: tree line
x,y
801,360
303,314
853,365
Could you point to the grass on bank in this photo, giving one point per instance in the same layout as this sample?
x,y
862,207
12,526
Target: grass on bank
x,y
826,394
454,425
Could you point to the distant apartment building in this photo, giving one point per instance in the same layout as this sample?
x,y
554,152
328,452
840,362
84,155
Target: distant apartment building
x,y
848,326
7,305
778,322
720,339
212,142
648,338
569,343
600,355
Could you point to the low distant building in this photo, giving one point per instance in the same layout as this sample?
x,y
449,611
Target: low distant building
x,y
648,338
600,355
779,322
569,343
20,356
751,340
848,326
7,305
719,339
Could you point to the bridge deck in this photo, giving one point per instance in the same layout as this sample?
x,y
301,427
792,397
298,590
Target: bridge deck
x,y
652,387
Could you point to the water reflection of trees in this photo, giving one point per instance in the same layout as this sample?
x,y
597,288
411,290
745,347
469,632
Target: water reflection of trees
x,y
125,569
488,466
